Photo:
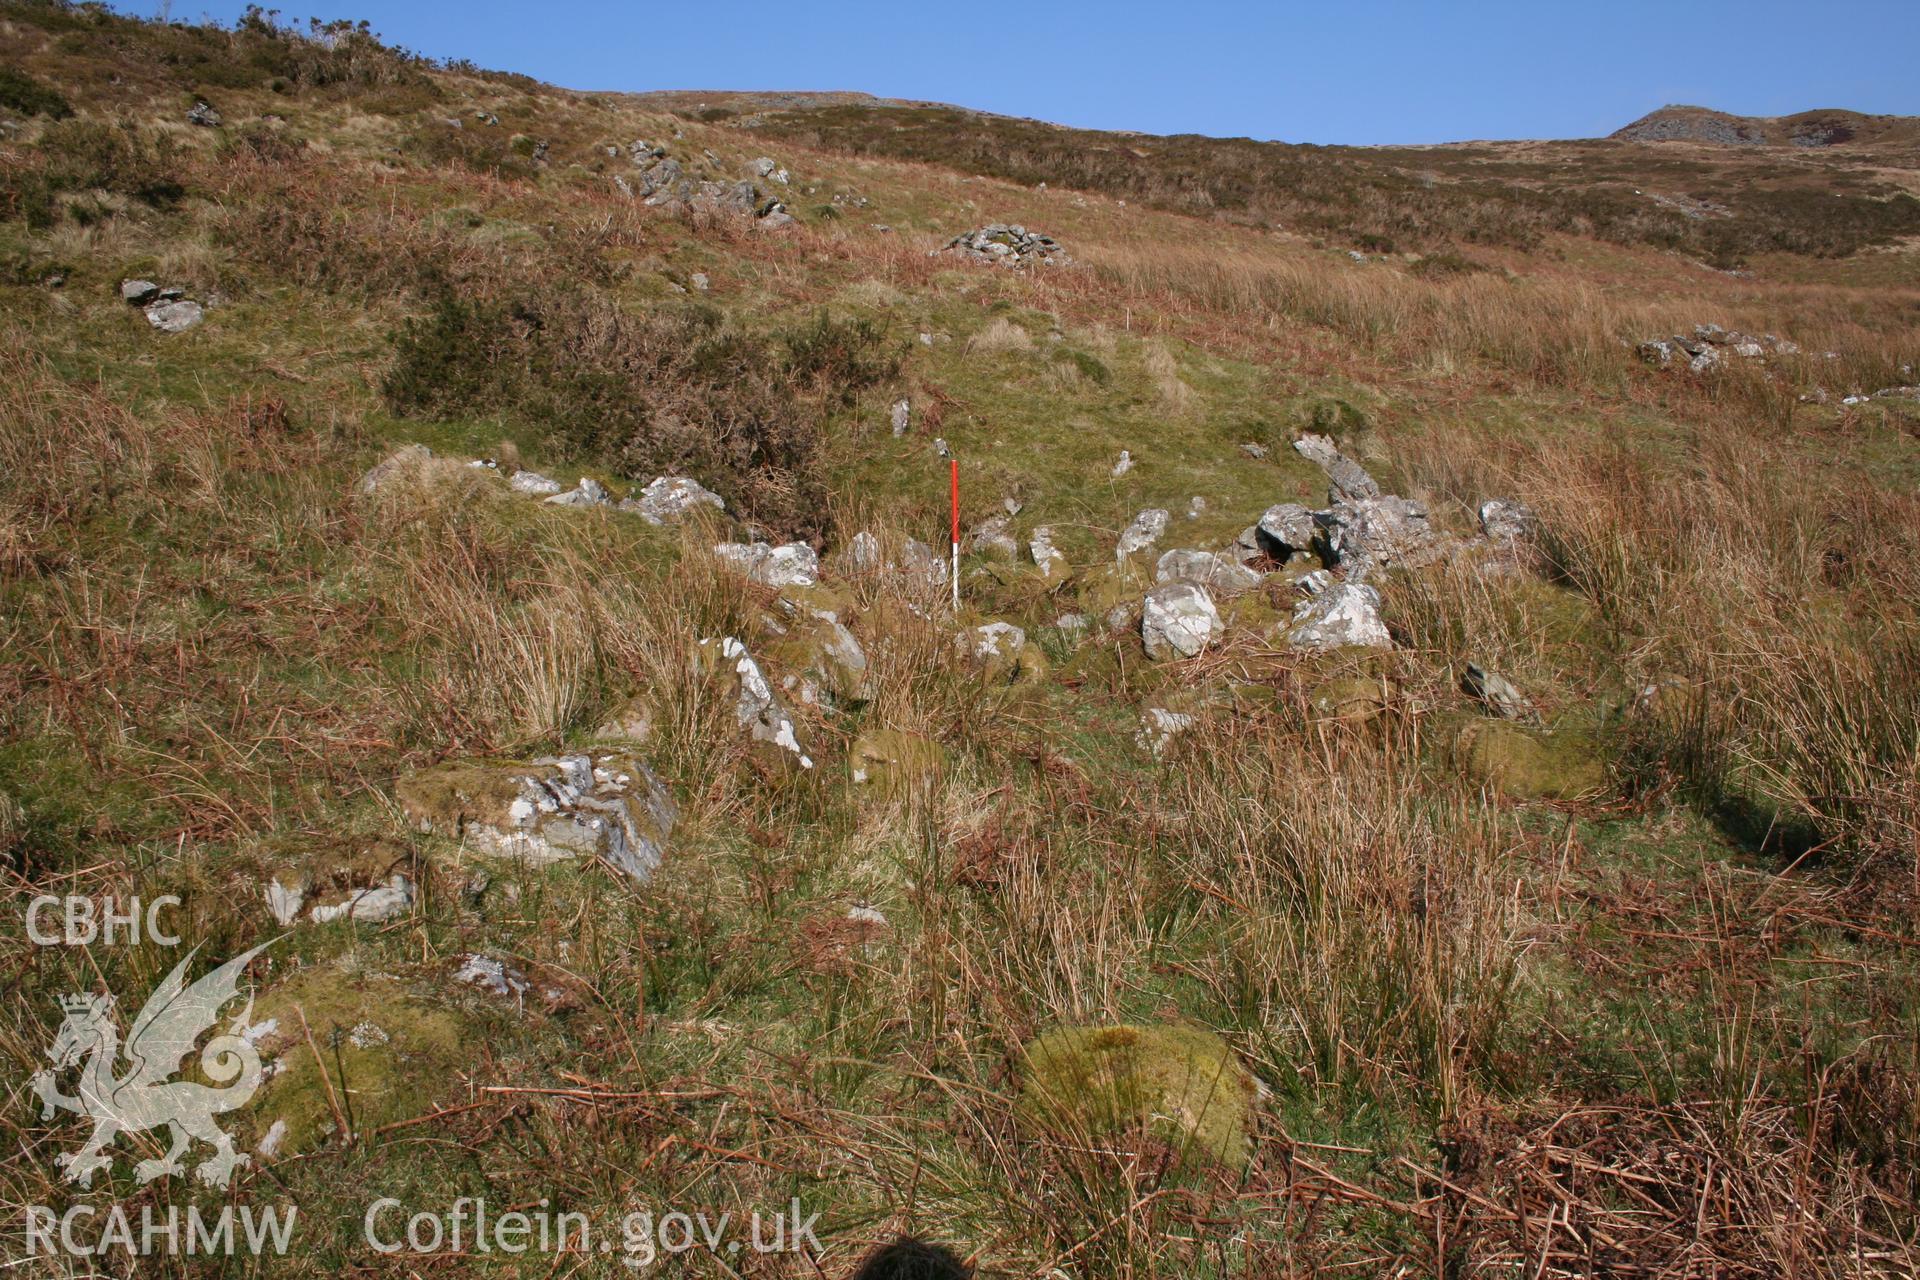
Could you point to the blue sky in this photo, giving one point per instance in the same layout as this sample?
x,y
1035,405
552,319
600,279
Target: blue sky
x,y
1326,72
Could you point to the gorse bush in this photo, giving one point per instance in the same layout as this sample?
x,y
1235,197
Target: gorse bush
x,y
255,52
678,392
91,155
21,92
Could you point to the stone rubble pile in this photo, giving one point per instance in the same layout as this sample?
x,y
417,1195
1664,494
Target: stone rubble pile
x,y
1007,245
1709,345
663,182
167,309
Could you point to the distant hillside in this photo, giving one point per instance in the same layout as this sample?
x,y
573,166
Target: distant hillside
x,y
1385,199
1828,127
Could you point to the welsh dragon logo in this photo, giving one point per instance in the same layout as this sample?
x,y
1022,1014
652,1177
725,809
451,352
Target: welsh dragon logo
x,y
146,1097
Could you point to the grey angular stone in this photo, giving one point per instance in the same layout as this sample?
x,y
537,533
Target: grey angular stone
x,y
590,493
533,483
1220,575
757,707
862,555
371,905
1159,727
556,809
993,537
1373,533
1348,479
1146,529
174,317
669,500
1344,614
792,564
918,560
1047,557
1504,520
1178,620
1496,691
1285,529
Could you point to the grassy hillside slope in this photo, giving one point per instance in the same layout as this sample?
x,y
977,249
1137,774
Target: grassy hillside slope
x,y
1629,986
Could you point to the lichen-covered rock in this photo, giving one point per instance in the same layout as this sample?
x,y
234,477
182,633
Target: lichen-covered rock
x,y
533,484
670,499
894,760
920,563
1179,1085
792,564
371,905
1221,576
1496,692
492,975
1285,530
1348,481
861,555
609,805
757,706
1373,533
1048,558
994,648
993,537
368,881
1159,726
1345,614
1007,245
589,493
1178,620
1504,521
175,317
1142,533
1530,765
822,657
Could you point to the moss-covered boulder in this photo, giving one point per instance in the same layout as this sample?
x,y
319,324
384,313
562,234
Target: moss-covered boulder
x,y
384,1055
893,760
1111,587
1348,700
608,805
820,660
307,878
1528,764
1181,1085
757,705
994,649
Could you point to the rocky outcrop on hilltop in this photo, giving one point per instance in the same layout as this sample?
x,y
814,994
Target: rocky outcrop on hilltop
x,y
1826,127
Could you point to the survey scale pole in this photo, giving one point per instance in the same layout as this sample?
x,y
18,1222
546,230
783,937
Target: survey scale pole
x,y
953,465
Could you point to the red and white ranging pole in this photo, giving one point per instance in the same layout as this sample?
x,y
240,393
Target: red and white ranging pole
x,y
954,471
